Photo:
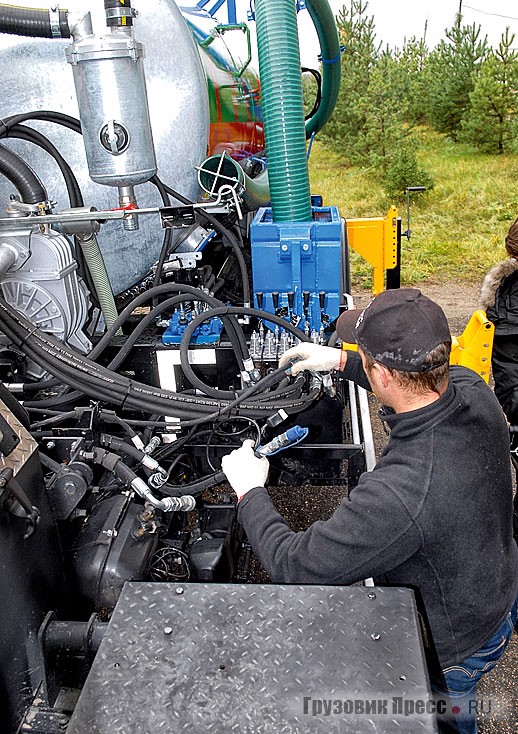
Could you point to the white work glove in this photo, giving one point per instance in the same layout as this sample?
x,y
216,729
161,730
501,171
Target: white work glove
x,y
314,357
244,470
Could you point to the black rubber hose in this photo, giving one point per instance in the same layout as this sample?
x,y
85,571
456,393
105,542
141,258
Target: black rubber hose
x,y
21,175
118,21
120,446
168,236
101,384
19,21
60,118
111,417
318,97
224,311
194,488
233,329
21,132
236,336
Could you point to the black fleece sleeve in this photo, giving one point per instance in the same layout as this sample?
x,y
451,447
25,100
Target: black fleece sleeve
x,y
354,371
370,534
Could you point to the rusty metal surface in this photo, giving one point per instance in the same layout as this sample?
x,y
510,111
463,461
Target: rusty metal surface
x,y
24,449
250,658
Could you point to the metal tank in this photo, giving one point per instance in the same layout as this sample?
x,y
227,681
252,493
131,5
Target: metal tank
x,y
36,76
113,107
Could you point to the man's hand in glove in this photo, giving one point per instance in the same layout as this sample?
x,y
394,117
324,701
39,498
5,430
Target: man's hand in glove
x,y
244,470
314,357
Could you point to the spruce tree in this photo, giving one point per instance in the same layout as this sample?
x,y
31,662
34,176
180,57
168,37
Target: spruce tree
x,y
490,124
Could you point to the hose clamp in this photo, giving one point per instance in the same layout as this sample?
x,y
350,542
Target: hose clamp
x,y
55,27
120,13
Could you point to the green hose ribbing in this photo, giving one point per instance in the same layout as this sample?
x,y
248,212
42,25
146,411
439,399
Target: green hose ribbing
x,y
325,26
283,111
97,268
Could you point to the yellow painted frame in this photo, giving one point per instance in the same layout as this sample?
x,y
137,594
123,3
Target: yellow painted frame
x,y
375,239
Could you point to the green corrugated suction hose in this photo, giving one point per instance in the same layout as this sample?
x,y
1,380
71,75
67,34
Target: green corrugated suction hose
x,y
325,26
283,111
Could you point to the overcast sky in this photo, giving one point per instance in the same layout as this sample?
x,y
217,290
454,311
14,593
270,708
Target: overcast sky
x,y
396,20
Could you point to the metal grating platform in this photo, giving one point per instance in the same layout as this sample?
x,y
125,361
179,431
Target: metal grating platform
x,y
221,658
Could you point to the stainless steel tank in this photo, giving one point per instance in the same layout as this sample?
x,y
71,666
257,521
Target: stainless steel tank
x,y
36,76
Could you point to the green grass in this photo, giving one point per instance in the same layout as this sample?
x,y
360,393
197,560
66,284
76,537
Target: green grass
x,y
458,228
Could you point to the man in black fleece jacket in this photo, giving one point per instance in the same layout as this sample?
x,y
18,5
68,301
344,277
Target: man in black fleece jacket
x,y
434,514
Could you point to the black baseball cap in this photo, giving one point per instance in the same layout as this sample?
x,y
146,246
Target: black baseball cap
x,y
399,328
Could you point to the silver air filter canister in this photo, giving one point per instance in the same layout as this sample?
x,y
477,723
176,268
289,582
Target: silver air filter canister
x,y
113,107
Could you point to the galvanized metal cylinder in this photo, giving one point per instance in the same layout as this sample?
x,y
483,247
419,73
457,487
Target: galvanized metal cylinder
x,y
113,108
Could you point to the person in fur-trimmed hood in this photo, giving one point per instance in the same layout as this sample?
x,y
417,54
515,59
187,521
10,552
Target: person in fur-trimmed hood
x,y
499,299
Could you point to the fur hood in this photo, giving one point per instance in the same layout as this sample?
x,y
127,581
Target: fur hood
x,y
492,281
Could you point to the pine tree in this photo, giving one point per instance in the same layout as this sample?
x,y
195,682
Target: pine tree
x,y
451,73
490,124
383,118
356,28
413,82
386,140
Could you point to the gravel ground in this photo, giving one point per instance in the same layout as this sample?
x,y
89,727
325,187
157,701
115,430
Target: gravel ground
x,y
303,505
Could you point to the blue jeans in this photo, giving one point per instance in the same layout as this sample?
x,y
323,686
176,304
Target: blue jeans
x,y
460,692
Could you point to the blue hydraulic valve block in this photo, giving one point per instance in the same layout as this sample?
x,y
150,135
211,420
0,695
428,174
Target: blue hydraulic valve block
x,y
207,333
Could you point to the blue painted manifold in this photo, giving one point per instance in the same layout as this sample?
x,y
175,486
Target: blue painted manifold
x,y
207,333
295,256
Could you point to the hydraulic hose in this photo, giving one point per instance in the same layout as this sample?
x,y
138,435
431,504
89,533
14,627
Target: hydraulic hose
x,y
194,489
101,384
11,127
233,328
38,23
21,175
128,449
325,26
189,292
112,462
283,111
223,311
47,115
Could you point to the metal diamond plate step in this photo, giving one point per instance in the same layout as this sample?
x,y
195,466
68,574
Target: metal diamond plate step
x,y
257,659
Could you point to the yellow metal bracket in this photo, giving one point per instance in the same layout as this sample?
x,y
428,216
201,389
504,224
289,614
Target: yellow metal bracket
x,y
375,239
473,347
